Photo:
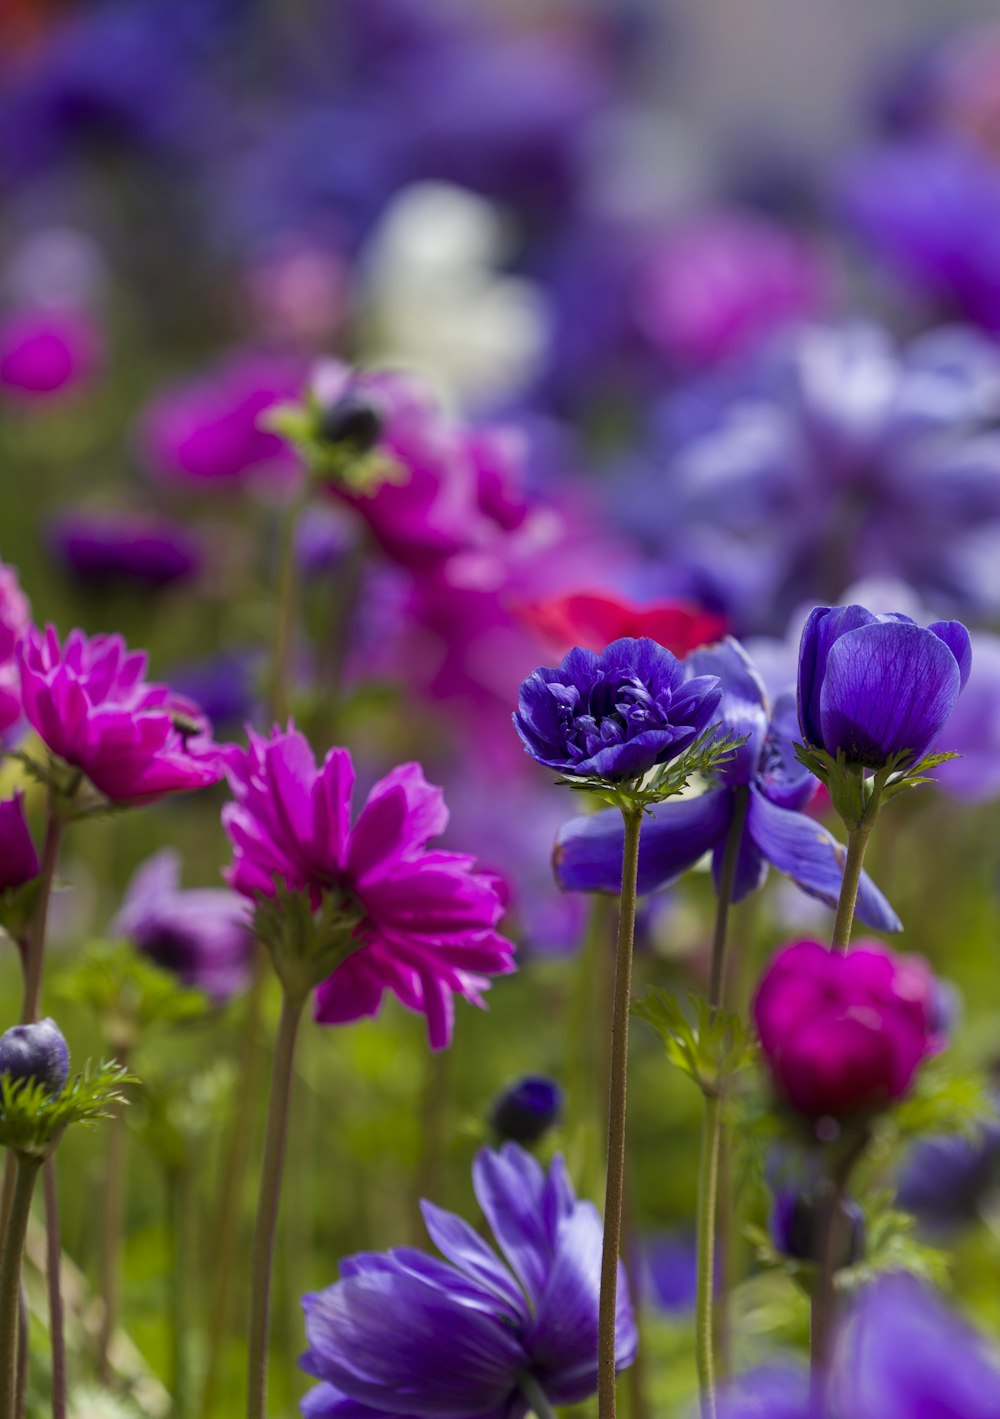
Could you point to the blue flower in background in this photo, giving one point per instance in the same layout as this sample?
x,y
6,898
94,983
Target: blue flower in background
x,y
874,686
588,855
404,1333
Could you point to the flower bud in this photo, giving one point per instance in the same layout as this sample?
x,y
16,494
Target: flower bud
x,y
798,1226
526,1111
35,1052
352,420
844,1034
18,858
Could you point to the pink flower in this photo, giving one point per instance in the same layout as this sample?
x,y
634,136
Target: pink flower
x,y
844,1033
429,924
91,705
725,280
47,352
209,431
15,618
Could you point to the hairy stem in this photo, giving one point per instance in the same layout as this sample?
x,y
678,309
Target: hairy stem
x,y
10,1281
857,842
53,1279
262,1261
616,1118
112,1229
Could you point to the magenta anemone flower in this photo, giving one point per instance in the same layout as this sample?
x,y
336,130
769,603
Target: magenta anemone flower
x,y
91,705
429,921
15,618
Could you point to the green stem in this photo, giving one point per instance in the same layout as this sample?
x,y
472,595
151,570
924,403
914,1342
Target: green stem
x,y
824,1298
265,1231
228,1213
23,1349
53,1279
708,1186
536,1397
112,1228
287,606
710,1320
616,1118
857,841
179,1228
35,954
10,1281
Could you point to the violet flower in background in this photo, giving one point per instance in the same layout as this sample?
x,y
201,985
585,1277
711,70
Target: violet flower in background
x,y
200,935
946,1182
89,702
18,857
403,1330
874,686
614,715
527,1109
429,924
668,1272
208,433
110,550
223,686
47,353
769,1393
588,855
844,1033
973,729
723,281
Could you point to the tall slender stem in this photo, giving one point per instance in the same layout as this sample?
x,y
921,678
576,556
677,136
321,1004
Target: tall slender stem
x,y
616,1118
707,1321
228,1213
34,955
112,1227
10,1281
536,1397
287,607
824,1298
857,841
23,1349
53,1278
262,1261
179,1226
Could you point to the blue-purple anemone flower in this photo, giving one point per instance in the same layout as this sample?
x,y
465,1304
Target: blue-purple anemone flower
x,y
902,1355
588,854
404,1333
614,715
202,935
874,686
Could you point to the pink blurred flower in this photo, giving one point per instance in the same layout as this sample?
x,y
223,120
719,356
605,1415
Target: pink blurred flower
x,y
844,1032
429,923
47,352
15,618
723,281
208,432
91,705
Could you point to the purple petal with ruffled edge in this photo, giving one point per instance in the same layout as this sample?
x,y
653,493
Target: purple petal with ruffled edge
x,y
803,849
465,1248
742,708
887,688
780,776
588,851
959,642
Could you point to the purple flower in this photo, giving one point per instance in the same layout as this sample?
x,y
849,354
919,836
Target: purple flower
x,y
429,921
945,1181
588,854
906,1355
798,1227
613,715
18,858
404,1333
106,550
223,686
527,1109
35,1052
973,730
91,705
874,686
670,1272
843,1033
201,936
47,352
770,1393
209,432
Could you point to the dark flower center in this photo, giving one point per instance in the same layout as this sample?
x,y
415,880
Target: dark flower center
x,y
611,712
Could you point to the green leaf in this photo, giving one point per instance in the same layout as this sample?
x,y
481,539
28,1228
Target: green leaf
x,y
709,1047
944,1101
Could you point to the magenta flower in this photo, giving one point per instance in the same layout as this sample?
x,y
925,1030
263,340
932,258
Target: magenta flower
x,y
428,929
15,618
844,1033
91,705
47,352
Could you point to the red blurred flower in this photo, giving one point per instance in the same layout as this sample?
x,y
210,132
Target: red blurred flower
x,y
593,619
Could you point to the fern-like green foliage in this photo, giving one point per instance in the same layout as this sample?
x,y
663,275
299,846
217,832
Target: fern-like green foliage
x,y
710,1047
702,759
128,993
32,1120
